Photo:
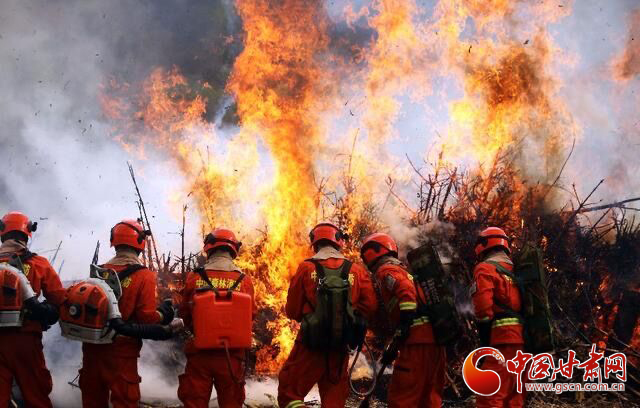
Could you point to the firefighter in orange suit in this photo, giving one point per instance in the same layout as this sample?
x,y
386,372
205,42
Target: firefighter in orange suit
x,y
419,368
113,368
496,303
208,368
304,368
21,355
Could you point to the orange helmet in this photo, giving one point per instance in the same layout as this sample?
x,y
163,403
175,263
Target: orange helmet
x,y
492,237
326,231
17,221
130,233
222,238
376,246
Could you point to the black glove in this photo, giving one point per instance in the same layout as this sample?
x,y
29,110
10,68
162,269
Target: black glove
x,y
167,312
484,331
404,326
401,335
358,331
389,355
43,312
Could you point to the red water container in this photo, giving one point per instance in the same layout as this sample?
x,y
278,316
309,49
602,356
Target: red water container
x,y
221,320
10,299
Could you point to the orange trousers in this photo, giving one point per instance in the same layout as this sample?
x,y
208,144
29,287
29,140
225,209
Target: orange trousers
x,y
107,372
508,395
21,357
208,368
418,377
305,368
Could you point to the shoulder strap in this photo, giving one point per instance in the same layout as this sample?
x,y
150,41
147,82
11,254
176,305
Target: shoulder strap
x,y
504,271
383,308
319,268
501,269
346,269
27,255
237,282
23,257
16,261
129,270
203,274
235,285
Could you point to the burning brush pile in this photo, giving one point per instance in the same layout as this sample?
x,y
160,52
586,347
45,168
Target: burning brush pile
x,y
591,252
295,153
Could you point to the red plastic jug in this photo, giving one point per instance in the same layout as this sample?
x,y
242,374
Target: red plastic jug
x,y
221,320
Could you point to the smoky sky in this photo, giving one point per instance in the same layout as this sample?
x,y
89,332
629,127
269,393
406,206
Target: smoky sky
x,y
60,162
61,165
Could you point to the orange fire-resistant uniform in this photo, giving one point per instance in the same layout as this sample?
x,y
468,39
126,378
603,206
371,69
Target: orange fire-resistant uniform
x,y
21,355
491,288
208,368
305,368
114,367
419,371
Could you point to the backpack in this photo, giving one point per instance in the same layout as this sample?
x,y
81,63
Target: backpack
x,y
92,303
428,273
15,289
530,276
333,324
222,318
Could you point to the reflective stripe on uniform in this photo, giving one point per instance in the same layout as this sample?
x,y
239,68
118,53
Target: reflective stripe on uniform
x,y
295,404
508,321
420,320
407,305
484,319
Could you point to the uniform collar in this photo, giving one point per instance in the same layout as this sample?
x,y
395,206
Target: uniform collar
x,y
327,252
499,256
221,261
125,258
12,246
386,260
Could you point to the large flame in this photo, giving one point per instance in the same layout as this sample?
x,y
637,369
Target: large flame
x,y
278,84
396,63
510,95
286,87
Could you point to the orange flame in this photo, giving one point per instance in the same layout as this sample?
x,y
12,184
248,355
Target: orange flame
x,y
278,85
285,84
396,64
627,65
510,100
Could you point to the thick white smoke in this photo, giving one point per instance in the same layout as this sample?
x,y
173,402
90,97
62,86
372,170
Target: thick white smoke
x,y
62,167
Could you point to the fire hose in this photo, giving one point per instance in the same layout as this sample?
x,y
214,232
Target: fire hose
x,y
373,366
141,331
390,350
230,368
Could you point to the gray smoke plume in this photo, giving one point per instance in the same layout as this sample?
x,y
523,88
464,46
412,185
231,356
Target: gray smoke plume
x,y
63,168
61,165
